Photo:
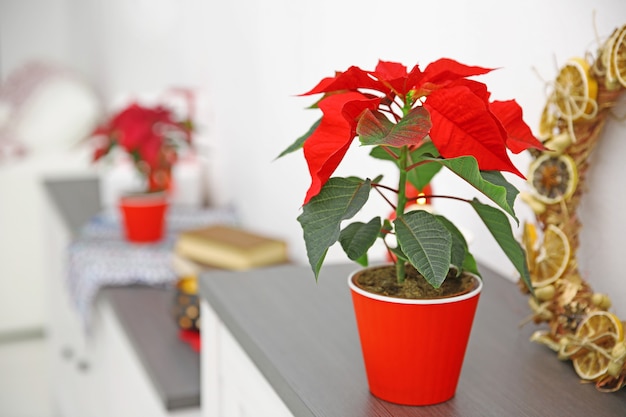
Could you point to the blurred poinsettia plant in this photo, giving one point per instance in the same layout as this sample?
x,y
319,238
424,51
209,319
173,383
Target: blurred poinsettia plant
x,y
422,121
151,136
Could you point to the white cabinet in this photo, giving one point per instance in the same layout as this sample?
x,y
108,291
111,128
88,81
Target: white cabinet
x,y
100,373
232,386
23,212
126,388
74,378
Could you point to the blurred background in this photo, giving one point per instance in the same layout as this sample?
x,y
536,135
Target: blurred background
x,y
244,63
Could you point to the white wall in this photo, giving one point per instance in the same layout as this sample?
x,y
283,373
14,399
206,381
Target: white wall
x,y
32,28
279,49
250,59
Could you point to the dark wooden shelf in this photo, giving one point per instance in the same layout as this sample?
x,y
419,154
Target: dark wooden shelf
x,y
302,336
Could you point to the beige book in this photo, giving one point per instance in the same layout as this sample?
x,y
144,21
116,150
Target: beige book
x,y
229,247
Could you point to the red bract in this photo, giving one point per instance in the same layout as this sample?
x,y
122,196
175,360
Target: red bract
x,y
326,147
150,150
462,125
143,133
99,153
463,121
446,70
137,125
520,137
352,79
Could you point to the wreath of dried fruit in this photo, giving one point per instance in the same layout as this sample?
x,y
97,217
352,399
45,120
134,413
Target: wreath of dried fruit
x,y
580,327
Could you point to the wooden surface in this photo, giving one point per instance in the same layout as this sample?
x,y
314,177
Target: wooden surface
x,y
302,336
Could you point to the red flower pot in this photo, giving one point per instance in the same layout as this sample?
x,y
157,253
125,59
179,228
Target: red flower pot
x,y
413,349
143,216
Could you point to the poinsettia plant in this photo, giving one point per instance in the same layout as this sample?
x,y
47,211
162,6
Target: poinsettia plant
x,y
423,121
151,136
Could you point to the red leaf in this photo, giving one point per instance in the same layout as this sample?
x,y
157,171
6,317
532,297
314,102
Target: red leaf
x,y
352,79
386,70
133,135
372,127
99,153
476,87
445,70
447,73
463,125
460,114
394,75
520,137
328,144
150,150
353,109
376,129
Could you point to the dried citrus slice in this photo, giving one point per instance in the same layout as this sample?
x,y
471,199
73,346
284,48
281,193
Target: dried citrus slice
x,y
568,347
529,198
606,58
618,57
548,120
543,337
552,257
597,335
557,144
553,178
575,89
529,242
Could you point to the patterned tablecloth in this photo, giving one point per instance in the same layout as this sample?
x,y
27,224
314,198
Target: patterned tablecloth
x,y
101,256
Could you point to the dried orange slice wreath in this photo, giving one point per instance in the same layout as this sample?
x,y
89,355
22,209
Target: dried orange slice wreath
x,y
575,90
590,349
553,177
580,326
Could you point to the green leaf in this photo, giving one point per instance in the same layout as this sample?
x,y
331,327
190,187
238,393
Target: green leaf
x,y
374,128
421,175
427,243
460,248
469,264
363,261
459,244
379,152
499,226
466,167
387,227
399,254
338,200
300,141
358,237
496,177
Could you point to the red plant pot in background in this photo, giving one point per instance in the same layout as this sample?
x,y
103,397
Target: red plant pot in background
x,y
143,216
413,349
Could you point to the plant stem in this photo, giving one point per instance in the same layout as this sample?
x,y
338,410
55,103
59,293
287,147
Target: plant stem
x,y
386,149
450,197
402,162
377,186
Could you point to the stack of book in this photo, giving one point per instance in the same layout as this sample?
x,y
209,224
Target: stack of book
x,y
222,247
228,247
